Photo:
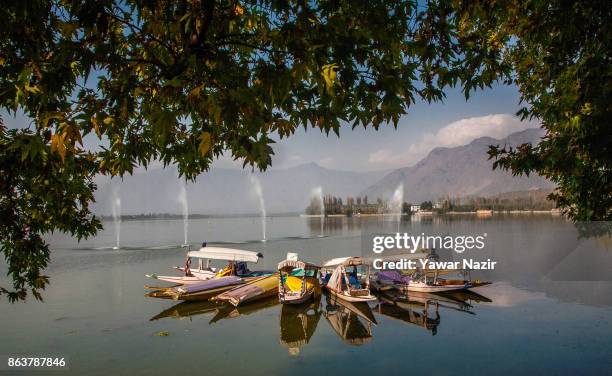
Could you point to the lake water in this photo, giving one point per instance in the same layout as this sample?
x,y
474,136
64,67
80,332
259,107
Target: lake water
x,y
548,309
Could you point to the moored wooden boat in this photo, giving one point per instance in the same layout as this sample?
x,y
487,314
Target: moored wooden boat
x,y
258,288
200,291
298,281
203,271
426,280
347,285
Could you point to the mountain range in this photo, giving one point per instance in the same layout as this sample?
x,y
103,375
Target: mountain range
x,y
456,171
460,171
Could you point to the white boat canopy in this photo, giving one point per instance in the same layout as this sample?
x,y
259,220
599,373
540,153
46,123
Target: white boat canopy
x,y
290,264
229,254
346,261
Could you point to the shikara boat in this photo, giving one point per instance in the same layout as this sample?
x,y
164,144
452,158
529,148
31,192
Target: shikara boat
x,y
298,281
431,280
236,265
426,280
258,288
203,290
345,282
298,323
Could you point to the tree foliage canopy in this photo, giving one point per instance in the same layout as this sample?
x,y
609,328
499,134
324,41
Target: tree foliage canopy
x,y
184,81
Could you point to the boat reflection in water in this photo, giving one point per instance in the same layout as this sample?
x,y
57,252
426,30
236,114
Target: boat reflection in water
x,y
351,321
228,311
423,309
298,323
188,309
219,311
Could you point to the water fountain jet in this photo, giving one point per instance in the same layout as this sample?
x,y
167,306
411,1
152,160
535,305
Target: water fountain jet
x,y
318,193
185,209
397,202
262,205
116,210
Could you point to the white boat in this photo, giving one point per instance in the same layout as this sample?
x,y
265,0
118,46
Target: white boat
x,y
429,280
298,282
204,271
347,285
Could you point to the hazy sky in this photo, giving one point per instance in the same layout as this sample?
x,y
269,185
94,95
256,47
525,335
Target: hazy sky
x,y
453,122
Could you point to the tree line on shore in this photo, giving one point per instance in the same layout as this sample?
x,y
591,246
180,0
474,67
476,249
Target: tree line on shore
x,y
512,201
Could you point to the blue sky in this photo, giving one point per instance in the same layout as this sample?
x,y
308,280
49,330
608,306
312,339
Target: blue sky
x,y
455,121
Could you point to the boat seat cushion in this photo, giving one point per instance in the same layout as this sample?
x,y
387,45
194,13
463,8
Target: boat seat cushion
x,y
295,284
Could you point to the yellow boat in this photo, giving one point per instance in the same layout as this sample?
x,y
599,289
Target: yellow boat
x,y
258,288
298,281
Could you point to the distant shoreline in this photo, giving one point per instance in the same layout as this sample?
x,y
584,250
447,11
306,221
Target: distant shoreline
x,y
157,217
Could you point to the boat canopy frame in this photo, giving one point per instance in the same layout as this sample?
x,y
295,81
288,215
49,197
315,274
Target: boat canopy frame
x,y
288,265
228,254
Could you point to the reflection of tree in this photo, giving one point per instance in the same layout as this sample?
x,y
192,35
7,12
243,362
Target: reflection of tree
x,y
351,206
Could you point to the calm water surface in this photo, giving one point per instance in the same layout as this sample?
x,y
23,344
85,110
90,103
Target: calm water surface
x,y
547,311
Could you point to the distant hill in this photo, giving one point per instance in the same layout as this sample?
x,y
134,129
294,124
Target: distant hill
x,y
459,171
229,191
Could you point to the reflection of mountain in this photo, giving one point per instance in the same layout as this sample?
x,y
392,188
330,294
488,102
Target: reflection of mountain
x,y
229,191
298,323
351,321
459,171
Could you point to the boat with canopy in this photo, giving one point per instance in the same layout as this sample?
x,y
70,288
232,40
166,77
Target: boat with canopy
x,y
298,280
435,280
423,279
236,258
346,282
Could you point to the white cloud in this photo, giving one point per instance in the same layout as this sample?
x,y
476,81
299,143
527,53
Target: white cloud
x,y
460,132
384,156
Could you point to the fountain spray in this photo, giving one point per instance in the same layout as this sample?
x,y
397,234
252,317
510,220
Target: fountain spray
x,y
318,193
397,202
116,209
262,205
185,208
